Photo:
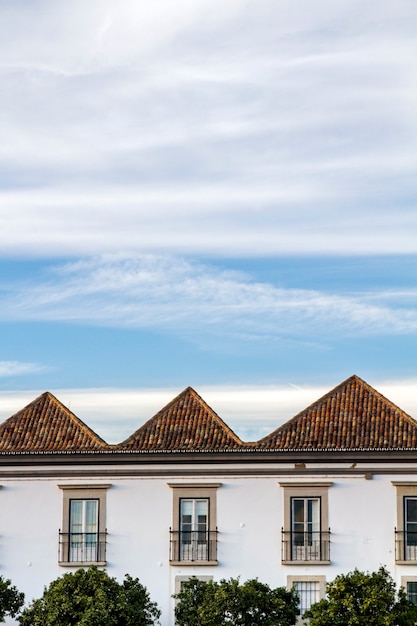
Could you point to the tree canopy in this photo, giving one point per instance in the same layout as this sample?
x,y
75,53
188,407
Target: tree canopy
x,y
229,603
11,600
92,598
363,599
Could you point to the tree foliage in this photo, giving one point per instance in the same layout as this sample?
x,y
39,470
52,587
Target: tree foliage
x,y
11,600
92,598
229,603
363,599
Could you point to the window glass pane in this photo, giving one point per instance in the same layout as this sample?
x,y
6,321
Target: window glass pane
x,y
298,520
411,509
201,508
186,520
76,516
186,511
201,514
298,511
313,514
91,510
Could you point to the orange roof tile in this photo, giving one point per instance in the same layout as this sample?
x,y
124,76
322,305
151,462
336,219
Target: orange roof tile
x,y
186,423
46,425
353,416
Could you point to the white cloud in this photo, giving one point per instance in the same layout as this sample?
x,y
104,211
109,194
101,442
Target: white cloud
x,y
174,294
251,411
16,368
224,128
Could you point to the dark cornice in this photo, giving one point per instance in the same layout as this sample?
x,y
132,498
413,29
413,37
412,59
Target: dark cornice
x,y
209,457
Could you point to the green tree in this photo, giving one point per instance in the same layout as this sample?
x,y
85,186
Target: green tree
x,y
229,603
363,599
11,600
92,598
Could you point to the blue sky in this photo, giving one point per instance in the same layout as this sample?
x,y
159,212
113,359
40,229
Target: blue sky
x,y
213,194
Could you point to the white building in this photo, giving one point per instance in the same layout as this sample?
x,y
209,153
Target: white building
x,y
332,489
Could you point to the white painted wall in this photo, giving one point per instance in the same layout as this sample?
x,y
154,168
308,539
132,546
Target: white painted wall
x,y
362,517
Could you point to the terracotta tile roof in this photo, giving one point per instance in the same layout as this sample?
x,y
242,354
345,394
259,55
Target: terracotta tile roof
x,y
186,423
353,416
46,425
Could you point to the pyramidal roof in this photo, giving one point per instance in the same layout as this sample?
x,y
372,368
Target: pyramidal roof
x,y
186,423
46,425
353,416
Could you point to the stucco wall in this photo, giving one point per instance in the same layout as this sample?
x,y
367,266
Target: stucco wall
x,y
250,515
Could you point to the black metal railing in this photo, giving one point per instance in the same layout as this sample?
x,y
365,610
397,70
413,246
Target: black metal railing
x,y
82,547
193,545
309,546
405,545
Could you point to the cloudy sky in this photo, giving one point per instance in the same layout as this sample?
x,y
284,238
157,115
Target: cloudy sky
x,y
215,194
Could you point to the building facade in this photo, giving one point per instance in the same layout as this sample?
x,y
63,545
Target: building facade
x,y
333,489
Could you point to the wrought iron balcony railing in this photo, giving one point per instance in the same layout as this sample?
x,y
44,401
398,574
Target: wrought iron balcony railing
x,y
82,547
405,546
309,546
193,545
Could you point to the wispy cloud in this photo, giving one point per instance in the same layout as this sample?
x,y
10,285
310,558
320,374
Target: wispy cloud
x,y
16,368
237,128
189,298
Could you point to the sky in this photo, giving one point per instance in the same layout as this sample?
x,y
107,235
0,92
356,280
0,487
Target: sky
x,y
211,194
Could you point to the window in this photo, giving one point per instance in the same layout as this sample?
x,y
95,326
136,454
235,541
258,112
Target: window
x,y
412,591
82,539
193,535
179,580
305,534
406,529
310,590
410,585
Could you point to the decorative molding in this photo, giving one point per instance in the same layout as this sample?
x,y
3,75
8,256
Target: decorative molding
x,y
194,485
85,486
305,485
